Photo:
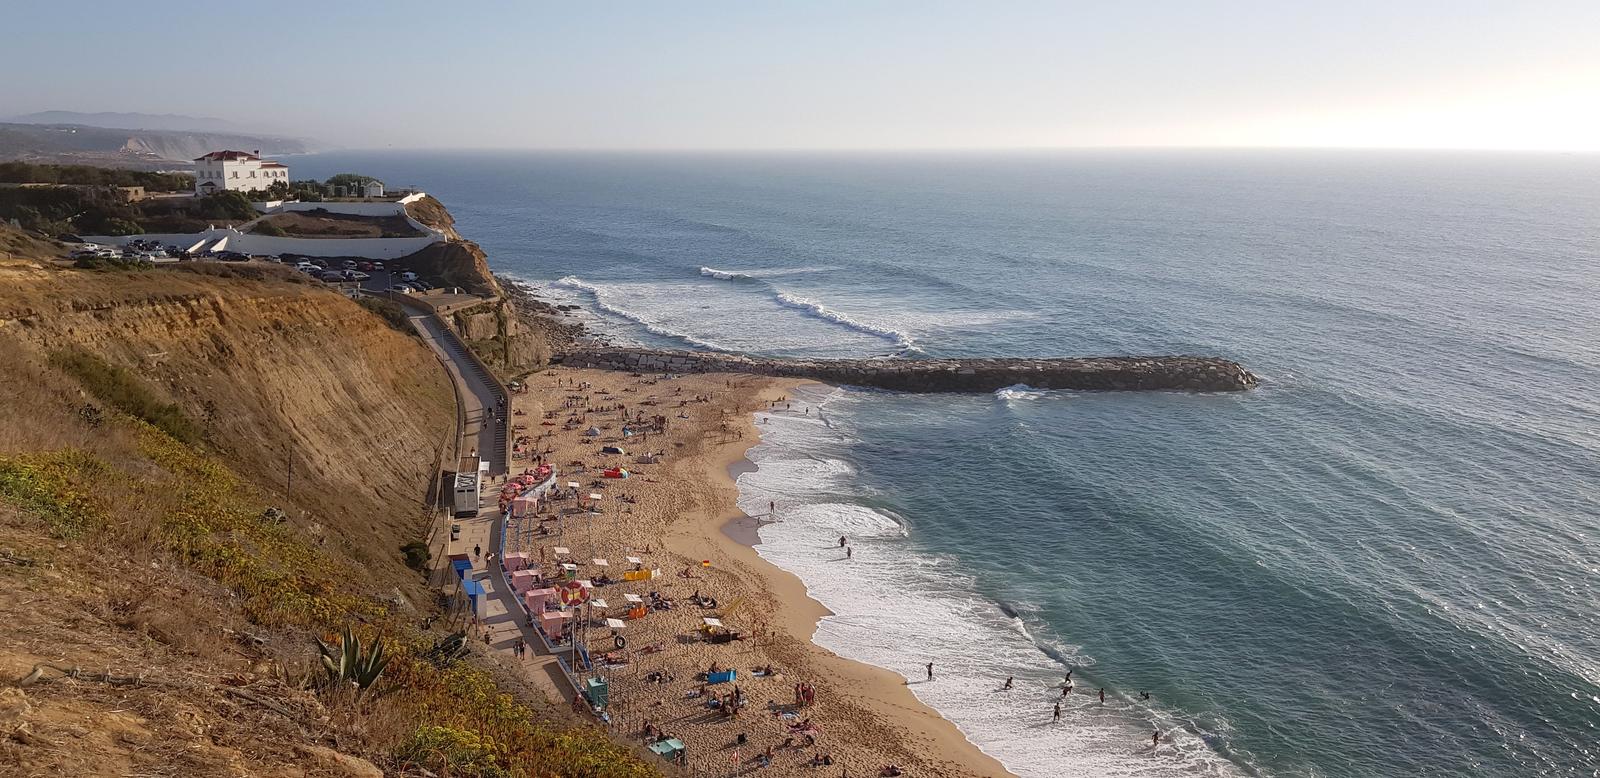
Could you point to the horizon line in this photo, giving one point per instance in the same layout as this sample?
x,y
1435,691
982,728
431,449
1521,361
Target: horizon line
x,y
945,149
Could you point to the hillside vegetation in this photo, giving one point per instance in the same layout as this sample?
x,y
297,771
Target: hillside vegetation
x,y
162,581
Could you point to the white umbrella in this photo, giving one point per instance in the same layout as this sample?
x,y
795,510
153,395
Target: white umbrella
x,y
616,623
632,598
710,622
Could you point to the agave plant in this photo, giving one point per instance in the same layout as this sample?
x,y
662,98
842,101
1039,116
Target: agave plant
x,y
349,663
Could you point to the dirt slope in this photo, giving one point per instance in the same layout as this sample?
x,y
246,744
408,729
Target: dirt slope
x,y
160,584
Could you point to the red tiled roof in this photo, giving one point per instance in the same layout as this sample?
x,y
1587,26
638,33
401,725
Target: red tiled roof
x,y
273,164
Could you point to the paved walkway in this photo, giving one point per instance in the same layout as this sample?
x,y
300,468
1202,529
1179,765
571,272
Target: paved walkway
x,y
501,614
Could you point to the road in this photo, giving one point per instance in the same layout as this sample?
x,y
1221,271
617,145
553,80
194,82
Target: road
x,y
479,398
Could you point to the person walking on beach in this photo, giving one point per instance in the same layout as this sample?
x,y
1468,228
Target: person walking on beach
x,y
1009,679
1055,717
930,671
1102,696
841,541
849,552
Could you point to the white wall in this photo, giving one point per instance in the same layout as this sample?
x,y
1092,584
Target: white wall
x,y
368,248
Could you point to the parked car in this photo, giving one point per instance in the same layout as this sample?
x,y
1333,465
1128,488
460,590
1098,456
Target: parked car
x,y
349,264
306,267
377,267
356,275
401,288
363,265
322,263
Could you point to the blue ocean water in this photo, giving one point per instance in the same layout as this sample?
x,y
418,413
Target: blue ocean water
x,y
1383,562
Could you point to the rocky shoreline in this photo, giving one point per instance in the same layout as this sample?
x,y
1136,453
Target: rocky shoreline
x,y
1144,373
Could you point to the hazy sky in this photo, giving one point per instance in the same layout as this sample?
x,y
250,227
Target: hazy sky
x,y
769,75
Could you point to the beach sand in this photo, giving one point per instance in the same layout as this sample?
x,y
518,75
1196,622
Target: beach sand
x,y
682,511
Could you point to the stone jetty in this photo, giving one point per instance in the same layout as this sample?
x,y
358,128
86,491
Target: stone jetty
x,y
1169,373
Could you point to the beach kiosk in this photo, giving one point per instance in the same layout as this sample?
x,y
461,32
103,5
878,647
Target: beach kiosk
x,y
514,561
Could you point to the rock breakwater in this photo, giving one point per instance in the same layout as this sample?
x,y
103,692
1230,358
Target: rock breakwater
x,y
1152,373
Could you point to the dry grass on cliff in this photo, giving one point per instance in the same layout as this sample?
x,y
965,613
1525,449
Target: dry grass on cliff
x,y
153,563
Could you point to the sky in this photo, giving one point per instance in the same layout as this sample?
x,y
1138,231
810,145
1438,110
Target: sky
x,y
756,75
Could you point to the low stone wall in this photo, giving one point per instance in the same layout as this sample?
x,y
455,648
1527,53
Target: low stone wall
x,y
1172,373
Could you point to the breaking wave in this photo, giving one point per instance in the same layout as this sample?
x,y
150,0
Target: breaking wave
x,y
573,282
821,311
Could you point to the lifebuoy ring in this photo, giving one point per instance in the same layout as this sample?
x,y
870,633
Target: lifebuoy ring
x,y
620,641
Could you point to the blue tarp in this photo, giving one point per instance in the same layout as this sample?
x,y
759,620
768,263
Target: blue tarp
x,y
723,677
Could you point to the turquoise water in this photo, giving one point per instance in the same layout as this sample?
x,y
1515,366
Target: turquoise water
x,y
1384,562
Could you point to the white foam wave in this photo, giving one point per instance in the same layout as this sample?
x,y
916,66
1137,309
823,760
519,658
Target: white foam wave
x,y
750,275
1019,392
821,311
898,605
573,282
726,275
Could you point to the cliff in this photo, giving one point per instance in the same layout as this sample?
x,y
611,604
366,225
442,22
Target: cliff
x,y
149,531
145,149
457,262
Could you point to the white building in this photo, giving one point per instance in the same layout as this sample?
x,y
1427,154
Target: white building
x,y
239,171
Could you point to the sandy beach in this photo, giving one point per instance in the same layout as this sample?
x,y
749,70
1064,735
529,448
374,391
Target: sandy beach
x,y
678,515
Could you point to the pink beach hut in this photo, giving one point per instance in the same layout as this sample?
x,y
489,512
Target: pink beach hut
x,y
550,622
523,580
535,599
514,561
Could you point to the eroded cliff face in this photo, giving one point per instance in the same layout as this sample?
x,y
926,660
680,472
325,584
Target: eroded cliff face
x,y
274,370
457,262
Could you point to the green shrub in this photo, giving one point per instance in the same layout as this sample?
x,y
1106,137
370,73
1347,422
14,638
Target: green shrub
x,y
125,392
388,310
268,228
417,555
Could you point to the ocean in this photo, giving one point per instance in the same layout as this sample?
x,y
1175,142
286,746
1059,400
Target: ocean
x,y
1385,561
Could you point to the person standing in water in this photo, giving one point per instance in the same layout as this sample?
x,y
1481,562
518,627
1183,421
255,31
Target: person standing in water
x,y
849,552
1102,696
1155,740
841,541
1009,679
930,671
1055,717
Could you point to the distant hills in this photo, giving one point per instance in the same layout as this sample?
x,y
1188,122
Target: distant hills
x,y
32,138
130,121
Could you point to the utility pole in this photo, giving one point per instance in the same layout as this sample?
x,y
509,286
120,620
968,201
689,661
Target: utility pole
x,y
289,487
